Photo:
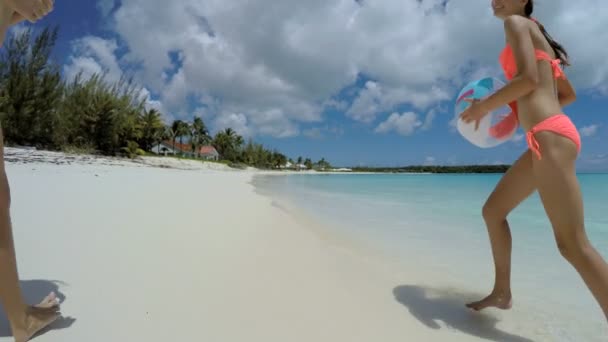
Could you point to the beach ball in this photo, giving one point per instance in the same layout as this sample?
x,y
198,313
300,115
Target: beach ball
x,y
496,127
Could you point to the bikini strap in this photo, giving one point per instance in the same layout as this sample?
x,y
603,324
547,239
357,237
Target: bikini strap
x,y
557,71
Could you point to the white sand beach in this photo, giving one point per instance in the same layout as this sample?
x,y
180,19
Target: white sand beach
x,y
145,253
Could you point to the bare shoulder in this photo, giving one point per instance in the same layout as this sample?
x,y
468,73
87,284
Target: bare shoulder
x,y
516,24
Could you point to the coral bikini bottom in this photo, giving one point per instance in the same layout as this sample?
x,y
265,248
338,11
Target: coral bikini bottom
x,y
560,124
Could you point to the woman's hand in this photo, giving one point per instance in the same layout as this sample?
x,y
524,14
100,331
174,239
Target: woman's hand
x,y
475,112
32,10
16,18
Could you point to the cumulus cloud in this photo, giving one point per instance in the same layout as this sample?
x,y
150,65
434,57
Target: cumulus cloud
x,y
19,29
106,6
94,55
430,117
430,161
404,124
236,121
589,131
374,99
281,65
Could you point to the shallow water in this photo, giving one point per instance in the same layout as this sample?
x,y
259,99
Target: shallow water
x,y
434,221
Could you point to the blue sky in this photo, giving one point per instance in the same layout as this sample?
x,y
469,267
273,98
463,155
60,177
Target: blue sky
x,y
318,80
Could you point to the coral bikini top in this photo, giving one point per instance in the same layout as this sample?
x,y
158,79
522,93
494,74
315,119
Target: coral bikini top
x,y
507,61
509,66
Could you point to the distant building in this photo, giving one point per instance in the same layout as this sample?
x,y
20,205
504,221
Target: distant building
x,y
291,166
208,153
166,148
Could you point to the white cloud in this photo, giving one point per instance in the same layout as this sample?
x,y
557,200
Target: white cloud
x,y
155,104
281,64
105,6
453,124
374,99
19,29
236,121
404,124
430,117
589,131
87,66
93,55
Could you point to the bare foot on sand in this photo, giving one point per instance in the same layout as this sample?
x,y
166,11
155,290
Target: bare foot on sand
x,y
497,300
37,318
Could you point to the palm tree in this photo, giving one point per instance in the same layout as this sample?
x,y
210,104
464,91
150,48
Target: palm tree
x,y
228,143
174,131
180,129
199,135
308,163
163,134
151,124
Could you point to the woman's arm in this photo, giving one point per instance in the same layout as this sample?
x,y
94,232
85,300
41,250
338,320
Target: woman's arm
x,y
518,37
565,92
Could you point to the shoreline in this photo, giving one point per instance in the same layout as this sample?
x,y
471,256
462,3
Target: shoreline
x,y
201,253
27,155
453,290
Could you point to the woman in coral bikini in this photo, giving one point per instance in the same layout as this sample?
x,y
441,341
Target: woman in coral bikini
x,y
537,91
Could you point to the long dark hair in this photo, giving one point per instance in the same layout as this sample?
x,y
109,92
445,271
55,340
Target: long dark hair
x,y
559,50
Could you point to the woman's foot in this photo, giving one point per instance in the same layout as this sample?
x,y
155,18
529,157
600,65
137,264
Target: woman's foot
x,y
37,318
495,299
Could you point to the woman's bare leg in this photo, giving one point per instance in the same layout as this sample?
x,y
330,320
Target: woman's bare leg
x,y
562,199
515,186
25,320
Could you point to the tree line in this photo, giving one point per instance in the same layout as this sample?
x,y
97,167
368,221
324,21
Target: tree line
x,y
437,169
39,108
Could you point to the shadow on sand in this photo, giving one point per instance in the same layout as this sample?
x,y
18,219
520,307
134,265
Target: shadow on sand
x,y
447,305
34,291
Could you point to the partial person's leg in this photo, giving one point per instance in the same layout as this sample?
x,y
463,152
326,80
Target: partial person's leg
x,y
515,186
562,199
25,321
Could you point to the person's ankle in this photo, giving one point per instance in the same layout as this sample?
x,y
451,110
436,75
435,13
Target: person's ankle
x,y
502,292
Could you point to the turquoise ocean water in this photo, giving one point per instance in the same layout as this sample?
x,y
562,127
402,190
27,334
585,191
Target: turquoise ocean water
x,y
434,222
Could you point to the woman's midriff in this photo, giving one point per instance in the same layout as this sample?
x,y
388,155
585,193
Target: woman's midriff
x,y
539,104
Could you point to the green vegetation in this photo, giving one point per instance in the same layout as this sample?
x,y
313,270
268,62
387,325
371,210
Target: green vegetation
x,y
38,108
437,169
